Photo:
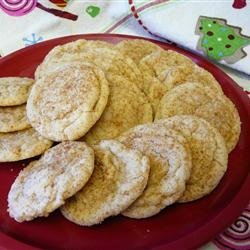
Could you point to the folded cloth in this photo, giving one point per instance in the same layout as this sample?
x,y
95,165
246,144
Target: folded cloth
x,y
217,29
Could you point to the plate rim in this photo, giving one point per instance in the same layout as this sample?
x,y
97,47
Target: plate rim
x,y
206,231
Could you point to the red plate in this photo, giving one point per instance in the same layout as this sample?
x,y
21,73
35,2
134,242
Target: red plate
x,y
178,226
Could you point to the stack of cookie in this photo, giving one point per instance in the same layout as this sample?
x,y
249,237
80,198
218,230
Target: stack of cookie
x,y
140,129
18,140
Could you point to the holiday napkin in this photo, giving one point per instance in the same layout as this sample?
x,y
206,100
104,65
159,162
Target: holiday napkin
x,y
217,29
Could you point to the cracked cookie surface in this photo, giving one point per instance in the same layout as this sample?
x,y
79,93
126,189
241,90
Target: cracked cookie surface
x,y
195,99
170,165
208,152
23,144
66,103
44,185
13,118
120,176
14,90
127,107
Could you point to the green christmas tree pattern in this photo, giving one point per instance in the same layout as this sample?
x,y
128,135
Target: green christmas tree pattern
x,y
220,40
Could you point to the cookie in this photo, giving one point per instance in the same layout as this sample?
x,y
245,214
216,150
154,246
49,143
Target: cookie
x,y
14,90
159,61
194,99
66,103
114,63
158,130
178,75
127,107
164,70
137,48
119,177
13,118
92,44
109,60
208,151
223,115
44,185
68,50
170,166
21,145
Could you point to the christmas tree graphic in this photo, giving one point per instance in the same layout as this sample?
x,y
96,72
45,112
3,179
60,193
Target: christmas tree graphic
x,y
218,40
